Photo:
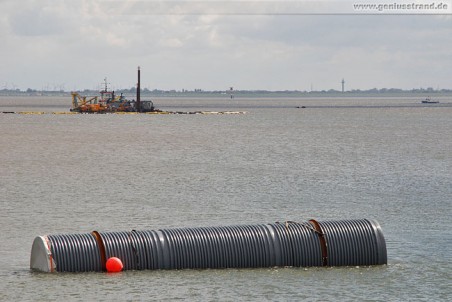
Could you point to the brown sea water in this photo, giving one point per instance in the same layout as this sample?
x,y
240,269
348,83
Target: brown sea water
x,y
388,159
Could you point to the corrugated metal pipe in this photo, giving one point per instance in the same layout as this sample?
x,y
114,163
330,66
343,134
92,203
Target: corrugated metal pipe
x,y
299,244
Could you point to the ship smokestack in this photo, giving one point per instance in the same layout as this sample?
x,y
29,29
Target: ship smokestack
x,y
138,92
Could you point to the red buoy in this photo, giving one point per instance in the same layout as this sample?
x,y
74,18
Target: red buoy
x,y
114,265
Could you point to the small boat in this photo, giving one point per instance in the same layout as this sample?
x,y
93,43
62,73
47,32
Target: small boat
x,y
429,101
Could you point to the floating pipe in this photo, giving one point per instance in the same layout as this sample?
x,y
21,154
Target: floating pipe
x,y
122,112
298,244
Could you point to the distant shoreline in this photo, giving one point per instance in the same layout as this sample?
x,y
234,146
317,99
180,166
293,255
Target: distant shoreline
x,y
421,93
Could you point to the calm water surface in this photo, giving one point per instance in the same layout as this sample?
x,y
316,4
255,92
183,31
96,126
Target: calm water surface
x,y
388,159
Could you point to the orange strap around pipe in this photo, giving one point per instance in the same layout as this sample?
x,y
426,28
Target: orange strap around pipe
x,y
322,240
100,243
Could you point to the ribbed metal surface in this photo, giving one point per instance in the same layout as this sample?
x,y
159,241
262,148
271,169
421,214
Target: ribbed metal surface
x,y
348,242
354,242
118,244
75,253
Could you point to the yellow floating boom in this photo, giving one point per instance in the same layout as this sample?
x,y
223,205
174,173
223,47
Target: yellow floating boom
x,y
119,112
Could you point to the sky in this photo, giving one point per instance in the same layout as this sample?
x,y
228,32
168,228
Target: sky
x,y
75,44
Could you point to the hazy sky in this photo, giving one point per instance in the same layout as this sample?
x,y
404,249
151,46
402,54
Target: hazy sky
x,y
74,44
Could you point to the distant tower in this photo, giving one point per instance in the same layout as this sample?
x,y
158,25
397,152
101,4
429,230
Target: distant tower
x,y
231,90
343,85
138,101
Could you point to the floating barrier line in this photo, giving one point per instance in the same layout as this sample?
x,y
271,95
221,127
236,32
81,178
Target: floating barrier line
x,y
155,112
297,244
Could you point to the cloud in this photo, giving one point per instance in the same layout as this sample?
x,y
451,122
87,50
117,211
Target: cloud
x,y
31,22
80,42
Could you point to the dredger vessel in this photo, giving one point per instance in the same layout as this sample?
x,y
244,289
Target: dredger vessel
x,y
108,102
